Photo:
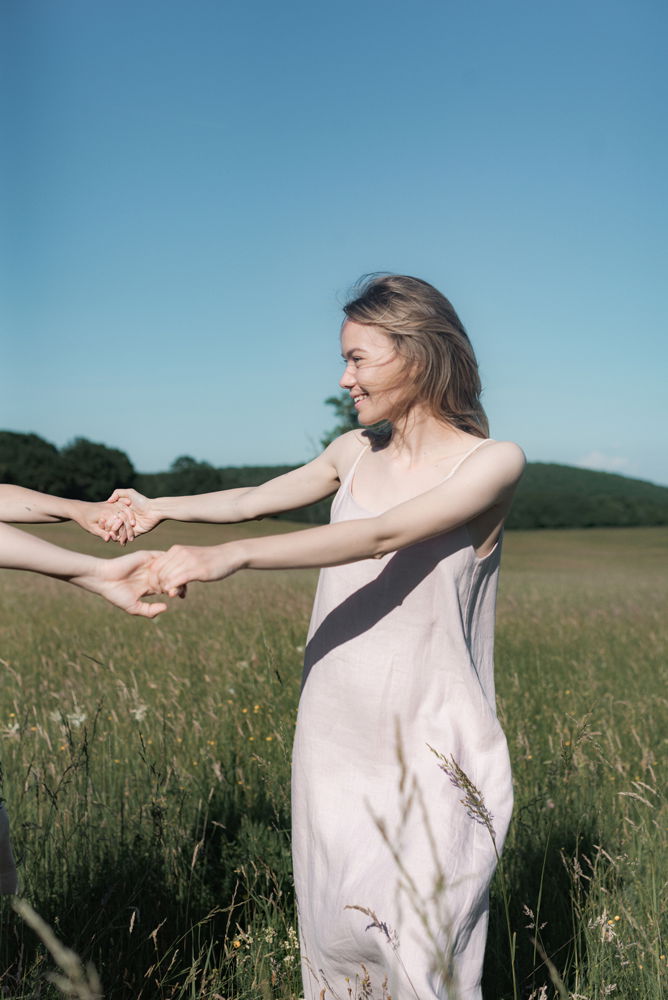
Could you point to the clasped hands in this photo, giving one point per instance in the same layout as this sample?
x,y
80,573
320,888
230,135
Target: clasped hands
x,y
125,580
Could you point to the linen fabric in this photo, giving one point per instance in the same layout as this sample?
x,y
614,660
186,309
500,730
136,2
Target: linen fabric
x,y
399,659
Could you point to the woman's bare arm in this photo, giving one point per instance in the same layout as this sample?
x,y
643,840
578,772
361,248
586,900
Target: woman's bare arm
x,y
121,581
485,481
24,506
311,482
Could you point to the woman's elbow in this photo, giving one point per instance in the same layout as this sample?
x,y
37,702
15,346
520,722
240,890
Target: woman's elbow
x,y
246,505
383,541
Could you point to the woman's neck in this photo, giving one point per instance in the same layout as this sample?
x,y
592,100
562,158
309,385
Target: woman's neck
x,y
420,437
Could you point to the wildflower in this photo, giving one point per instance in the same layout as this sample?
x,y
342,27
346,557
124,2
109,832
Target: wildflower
x,y
236,943
139,711
269,738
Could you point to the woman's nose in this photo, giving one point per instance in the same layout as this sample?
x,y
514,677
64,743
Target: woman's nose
x,y
347,380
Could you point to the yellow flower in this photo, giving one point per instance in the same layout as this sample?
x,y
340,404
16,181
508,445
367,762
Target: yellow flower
x,y
269,738
236,943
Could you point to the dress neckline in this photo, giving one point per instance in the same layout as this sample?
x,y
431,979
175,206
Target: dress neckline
x,y
348,481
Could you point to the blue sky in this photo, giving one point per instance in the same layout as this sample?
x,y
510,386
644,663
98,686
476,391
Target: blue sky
x,y
190,188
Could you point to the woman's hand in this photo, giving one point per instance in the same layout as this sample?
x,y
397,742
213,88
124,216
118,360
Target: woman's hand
x,y
183,564
125,580
108,521
140,510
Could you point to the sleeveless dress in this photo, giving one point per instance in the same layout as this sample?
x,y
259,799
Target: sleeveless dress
x,y
392,862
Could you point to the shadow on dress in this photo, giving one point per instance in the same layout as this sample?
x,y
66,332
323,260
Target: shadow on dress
x,y
368,605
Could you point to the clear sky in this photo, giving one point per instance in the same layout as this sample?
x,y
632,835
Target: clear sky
x,y
190,188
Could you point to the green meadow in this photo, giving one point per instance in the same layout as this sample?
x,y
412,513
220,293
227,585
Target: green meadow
x,y
146,768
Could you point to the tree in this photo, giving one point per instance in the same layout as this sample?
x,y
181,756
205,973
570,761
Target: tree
x,y
188,476
28,460
92,471
346,415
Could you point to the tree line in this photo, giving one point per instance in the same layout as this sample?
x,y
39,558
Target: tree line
x,y
549,495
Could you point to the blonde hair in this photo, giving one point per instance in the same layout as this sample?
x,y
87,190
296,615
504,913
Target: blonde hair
x,y
427,332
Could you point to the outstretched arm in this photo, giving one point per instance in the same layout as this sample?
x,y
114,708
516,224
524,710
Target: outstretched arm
x,y
26,506
487,481
121,581
311,482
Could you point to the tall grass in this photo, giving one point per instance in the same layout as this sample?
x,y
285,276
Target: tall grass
x,y
146,768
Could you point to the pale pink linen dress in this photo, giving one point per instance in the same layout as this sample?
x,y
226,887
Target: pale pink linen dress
x,y
401,644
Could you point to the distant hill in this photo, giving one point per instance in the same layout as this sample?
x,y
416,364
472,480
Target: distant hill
x,y
560,496
549,496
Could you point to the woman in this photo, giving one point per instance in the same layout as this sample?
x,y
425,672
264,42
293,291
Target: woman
x,y
391,870
121,581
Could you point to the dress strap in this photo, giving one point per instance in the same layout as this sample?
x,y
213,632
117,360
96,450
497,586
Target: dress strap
x,y
466,455
347,479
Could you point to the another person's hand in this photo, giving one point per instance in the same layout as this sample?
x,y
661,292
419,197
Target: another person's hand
x,y
183,564
125,580
138,509
111,522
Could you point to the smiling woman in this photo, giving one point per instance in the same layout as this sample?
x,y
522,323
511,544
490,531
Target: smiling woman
x,y
399,655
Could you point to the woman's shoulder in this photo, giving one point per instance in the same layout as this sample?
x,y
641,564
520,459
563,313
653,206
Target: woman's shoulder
x,y
345,450
504,458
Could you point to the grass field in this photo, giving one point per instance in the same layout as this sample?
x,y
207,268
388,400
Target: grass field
x,y
146,768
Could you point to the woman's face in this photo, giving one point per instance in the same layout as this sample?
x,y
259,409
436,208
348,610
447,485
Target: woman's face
x,y
375,374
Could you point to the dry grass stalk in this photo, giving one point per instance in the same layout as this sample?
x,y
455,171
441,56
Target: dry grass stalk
x,y
77,981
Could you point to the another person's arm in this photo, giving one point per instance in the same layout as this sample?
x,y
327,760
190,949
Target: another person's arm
x,y
25,506
486,481
122,581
